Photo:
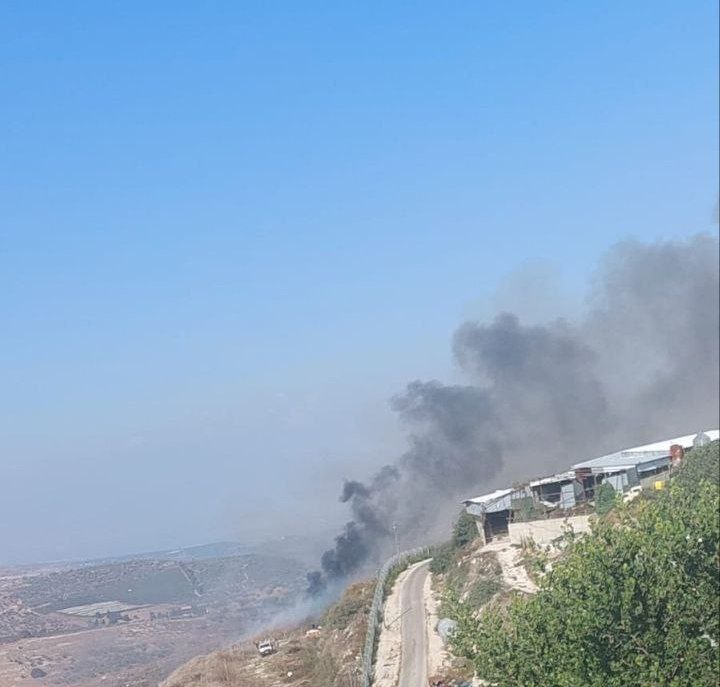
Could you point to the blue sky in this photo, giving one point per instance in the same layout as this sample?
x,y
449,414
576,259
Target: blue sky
x,y
230,231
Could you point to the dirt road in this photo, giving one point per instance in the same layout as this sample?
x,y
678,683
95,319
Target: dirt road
x,y
413,656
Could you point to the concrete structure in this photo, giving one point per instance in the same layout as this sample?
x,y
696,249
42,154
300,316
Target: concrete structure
x,y
546,532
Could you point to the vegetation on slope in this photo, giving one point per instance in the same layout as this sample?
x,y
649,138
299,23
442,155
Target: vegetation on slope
x,y
306,656
464,533
462,571
633,603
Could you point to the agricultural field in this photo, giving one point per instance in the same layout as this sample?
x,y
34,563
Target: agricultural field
x,y
131,622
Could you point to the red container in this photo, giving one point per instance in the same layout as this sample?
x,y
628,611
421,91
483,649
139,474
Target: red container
x,y
676,453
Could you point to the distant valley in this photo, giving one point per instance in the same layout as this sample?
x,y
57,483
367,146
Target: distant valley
x,y
128,621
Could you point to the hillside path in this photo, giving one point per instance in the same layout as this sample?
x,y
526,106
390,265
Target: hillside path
x,y
414,651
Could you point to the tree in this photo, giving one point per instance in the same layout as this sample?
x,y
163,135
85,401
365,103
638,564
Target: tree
x,y
604,498
465,530
633,603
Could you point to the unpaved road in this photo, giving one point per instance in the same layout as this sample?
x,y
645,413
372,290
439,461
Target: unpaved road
x,y
414,652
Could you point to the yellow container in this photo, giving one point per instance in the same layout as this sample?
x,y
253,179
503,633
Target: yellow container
x,y
660,484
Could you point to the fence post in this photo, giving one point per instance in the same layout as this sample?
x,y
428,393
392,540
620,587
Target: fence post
x,y
376,608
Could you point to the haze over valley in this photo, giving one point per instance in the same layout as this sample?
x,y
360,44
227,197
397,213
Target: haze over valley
x,y
284,285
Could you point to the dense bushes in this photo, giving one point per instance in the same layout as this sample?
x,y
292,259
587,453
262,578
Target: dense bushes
x,y
484,588
634,603
701,463
443,556
465,530
604,498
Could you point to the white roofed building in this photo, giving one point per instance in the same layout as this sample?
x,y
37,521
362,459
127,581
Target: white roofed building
x,y
492,512
557,495
639,464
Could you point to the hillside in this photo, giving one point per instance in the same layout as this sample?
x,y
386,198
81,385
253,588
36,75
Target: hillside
x,y
130,622
321,654
634,602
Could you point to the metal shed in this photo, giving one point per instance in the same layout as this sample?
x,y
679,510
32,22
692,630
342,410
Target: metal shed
x,y
492,512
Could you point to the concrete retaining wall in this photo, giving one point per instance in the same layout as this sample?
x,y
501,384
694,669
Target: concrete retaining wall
x,y
544,532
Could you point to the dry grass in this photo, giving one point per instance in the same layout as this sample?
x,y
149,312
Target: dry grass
x,y
328,658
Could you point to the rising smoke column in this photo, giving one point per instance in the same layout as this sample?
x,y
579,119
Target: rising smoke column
x,y
641,363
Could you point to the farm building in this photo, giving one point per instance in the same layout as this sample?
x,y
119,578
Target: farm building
x,y
558,491
544,508
493,511
639,465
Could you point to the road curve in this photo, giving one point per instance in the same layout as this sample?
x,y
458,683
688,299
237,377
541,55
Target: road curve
x,y
414,649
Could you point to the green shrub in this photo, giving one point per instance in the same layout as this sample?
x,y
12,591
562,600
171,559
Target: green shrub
x,y
700,463
536,559
483,590
633,603
465,530
442,558
604,498
354,601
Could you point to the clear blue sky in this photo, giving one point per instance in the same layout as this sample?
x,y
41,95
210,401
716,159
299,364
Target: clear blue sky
x,y
229,231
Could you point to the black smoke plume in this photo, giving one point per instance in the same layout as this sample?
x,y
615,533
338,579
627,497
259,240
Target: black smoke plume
x,y
641,363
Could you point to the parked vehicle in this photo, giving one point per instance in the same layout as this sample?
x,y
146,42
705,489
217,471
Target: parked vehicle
x,y
266,647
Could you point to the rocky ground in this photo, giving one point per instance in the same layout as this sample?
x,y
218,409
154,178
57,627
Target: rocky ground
x,y
177,609
321,654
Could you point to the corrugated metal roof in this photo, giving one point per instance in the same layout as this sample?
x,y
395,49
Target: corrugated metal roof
x,y
489,498
560,477
684,441
612,460
649,455
631,457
